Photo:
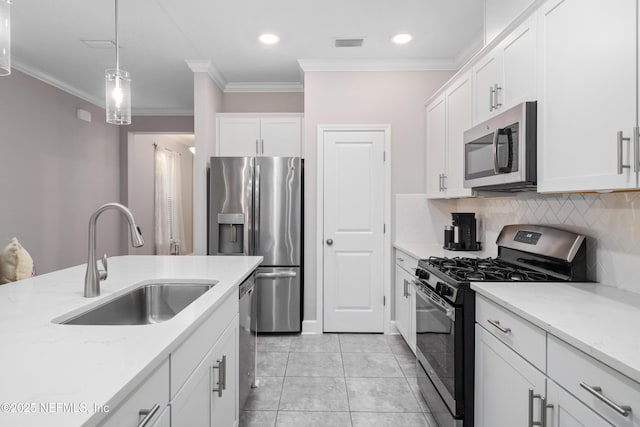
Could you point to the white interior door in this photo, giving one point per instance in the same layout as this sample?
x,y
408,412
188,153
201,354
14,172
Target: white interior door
x,y
353,178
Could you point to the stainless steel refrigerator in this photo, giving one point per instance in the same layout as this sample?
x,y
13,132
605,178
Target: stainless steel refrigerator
x,y
255,208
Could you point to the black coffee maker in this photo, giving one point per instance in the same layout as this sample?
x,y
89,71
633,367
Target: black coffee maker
x,y
461,234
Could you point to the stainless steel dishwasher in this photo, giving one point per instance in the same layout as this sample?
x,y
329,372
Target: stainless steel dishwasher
x,y
247,337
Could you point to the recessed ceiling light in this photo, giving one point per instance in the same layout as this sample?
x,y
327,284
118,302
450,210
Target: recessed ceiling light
x,y
401,38
269,38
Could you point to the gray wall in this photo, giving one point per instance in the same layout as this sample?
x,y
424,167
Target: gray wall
x,y
55,170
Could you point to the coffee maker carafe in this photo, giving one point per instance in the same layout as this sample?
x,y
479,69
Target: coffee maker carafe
x,y
461,235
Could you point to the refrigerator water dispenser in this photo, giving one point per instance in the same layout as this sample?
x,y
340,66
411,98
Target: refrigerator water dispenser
x,y
231,233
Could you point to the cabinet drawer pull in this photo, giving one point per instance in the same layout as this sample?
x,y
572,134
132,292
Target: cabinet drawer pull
x,y
222,375
148,414
621,140
543,404
400,259
623,410
491,107
496,103
497,324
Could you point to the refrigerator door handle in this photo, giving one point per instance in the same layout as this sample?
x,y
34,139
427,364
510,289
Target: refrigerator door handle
x,y
276,275
256,211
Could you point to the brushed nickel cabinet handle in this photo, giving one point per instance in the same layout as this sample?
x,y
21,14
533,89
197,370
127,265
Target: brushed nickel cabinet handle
x,y
497,324
621,140
623,410
222,376
148,414
533,396
496,103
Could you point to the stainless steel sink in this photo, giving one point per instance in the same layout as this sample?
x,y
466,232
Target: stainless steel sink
x,y
151,303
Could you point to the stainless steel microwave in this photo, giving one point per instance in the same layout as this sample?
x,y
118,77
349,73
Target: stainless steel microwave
x,y
500,154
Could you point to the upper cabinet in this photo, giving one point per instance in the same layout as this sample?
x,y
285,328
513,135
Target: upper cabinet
x,y
587,117
260,136
506,76
448,116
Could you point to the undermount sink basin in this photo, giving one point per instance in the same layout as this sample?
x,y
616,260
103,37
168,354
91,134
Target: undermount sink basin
x,y
147,304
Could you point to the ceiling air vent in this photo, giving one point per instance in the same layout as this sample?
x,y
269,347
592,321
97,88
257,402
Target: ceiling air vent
x,y
349,42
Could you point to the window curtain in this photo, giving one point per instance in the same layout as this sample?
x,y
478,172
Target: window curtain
x,y
169,224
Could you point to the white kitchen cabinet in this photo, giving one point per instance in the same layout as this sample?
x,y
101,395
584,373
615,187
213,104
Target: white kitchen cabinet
x,y
503,383
199,402
506,76
575,371
164,420
405,298
459,119
153,391
260,136
564,410
447,117
587,94
436,140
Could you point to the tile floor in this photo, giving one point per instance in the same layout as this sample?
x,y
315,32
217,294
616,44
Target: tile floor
x,y
335,380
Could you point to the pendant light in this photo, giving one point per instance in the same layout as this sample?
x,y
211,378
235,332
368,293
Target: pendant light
x,y
117,89
5,37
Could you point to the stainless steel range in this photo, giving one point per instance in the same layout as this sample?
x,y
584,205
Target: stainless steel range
x,y
445,308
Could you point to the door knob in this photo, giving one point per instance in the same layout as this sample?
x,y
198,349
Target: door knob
x,y
329,242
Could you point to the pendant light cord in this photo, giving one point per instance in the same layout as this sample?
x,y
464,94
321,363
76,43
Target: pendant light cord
x,y
117,49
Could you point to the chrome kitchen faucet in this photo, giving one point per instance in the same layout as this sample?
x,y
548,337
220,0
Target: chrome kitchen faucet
x,y
95,274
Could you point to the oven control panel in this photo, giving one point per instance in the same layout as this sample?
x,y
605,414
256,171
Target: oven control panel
x,y
441,288
528,237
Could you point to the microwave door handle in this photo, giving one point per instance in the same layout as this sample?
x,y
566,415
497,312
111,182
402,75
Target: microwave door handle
x,y
510,141
496,163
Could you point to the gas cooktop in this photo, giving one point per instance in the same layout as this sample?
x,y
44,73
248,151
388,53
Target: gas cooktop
x,y
482,269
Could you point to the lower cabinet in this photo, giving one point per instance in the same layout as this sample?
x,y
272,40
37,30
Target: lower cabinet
x,y
508,390
571,389
405,298
564,410
210,395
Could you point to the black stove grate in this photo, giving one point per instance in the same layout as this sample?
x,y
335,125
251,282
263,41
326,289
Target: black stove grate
x,y
484,269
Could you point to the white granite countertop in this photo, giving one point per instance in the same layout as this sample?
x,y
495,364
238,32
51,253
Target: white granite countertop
x,y
422,250
599,320
47,363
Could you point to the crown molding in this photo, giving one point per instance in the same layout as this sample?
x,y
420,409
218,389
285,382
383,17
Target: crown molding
x,y
264,87
467,53
376,65
206,66
161,112
59,84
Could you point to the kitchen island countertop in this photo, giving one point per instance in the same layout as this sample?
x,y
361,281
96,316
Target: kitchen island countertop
x,y
45,365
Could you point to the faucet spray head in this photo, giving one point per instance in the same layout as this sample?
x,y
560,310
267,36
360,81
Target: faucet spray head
x,y
136,236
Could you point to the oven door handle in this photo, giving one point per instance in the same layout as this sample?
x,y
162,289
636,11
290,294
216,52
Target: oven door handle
x,y
448,311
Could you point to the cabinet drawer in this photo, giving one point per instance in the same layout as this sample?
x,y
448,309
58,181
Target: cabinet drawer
x,y
187,357
153,391
525,338
406,261
570,368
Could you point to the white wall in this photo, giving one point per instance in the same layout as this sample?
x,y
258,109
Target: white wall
x,y
395,98
207,102
55,170
142,187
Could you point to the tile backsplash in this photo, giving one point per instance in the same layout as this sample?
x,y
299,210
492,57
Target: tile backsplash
x,y
611,223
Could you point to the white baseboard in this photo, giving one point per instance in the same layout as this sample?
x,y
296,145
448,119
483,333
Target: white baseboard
x,y
311,327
